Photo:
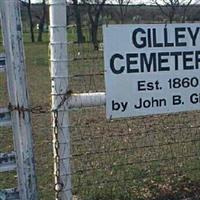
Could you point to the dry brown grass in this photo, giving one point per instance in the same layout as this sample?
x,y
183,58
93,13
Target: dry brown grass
x,y
134,158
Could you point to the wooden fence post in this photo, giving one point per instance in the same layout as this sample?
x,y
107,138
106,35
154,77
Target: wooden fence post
x,y
18,97
59,78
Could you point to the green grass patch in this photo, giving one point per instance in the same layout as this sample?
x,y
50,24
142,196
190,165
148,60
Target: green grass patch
x,y
132,159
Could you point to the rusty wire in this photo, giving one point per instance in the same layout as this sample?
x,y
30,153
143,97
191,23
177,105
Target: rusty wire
x,y
35,109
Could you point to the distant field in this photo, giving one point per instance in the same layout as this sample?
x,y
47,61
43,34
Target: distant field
x,y
136,159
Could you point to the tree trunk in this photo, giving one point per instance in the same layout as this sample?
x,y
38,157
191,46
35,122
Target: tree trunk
x,y
79,32
121,14
42,21
171,15
185,9
30,21
94,34
94,20
184,16
170,19
94,26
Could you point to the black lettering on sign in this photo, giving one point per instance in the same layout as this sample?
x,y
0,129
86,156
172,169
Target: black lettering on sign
x,y
188,58
116,69
148,85
176,55
163,58
197,59
166,40
139,41
195,98
155,42
193,35
150,103
176,100
119,106
131,61
148,63
180,34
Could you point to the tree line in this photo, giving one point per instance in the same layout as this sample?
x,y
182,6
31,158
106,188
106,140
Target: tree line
x,y
95,12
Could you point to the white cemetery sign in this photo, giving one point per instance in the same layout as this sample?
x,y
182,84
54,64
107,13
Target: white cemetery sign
x,y
151,69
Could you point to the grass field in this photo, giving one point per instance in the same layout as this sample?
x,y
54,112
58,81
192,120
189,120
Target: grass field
x,y
141,158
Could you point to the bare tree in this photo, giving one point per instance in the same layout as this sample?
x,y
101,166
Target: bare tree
x,y
94,9
28,5
185,6
122,9
80,36
170,7
42,21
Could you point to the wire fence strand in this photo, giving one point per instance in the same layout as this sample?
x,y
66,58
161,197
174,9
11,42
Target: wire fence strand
x,y
142,158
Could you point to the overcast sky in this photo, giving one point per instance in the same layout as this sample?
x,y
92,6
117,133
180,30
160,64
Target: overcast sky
x,y
136,1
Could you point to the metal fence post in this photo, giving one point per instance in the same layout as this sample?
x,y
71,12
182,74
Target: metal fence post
x,y
59,78
18,97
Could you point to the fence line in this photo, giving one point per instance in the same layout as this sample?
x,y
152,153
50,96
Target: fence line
x,y
148,158
18,98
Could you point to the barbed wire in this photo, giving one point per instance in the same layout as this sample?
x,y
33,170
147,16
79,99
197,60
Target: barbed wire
x,y
39,109
178,143
98,145
129,134
126,150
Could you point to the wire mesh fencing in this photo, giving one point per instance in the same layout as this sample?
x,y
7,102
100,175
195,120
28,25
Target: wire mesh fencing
x,y
152,157
38,75
143,158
